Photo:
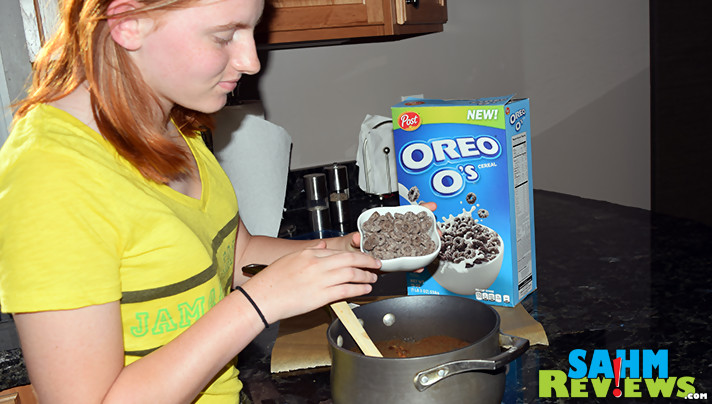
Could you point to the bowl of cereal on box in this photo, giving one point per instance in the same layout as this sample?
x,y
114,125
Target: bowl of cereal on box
x,y
404,238
471,256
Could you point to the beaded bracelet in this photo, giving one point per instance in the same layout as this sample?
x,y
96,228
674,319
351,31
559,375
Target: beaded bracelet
x,y
257,309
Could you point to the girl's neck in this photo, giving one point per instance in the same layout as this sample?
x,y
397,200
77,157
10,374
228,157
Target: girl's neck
x,y
78,104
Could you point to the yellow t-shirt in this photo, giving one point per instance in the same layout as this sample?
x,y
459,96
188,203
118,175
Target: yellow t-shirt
x,y
80,226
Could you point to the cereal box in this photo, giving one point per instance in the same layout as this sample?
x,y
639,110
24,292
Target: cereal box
x,y
473,158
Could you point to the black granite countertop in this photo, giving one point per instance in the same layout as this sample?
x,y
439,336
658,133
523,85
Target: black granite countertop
x,y
609,278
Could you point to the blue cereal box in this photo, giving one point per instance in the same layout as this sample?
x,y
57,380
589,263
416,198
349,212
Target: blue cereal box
x,y
473,158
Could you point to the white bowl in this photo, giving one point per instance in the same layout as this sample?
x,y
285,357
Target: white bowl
x,y
457,278
403,263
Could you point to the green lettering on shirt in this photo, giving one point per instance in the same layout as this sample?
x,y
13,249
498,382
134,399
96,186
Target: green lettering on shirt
x,y
189,314
227,260
212,301
142,328
164,323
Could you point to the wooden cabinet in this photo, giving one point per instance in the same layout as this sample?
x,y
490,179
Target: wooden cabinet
x,y
290,21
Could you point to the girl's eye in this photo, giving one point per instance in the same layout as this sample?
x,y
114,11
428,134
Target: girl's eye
x,y
223,41
224,38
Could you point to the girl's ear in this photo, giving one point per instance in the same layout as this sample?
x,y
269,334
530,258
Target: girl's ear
x,y
127,31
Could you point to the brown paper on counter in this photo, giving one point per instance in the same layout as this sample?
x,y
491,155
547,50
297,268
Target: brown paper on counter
x,y
301,343
518,322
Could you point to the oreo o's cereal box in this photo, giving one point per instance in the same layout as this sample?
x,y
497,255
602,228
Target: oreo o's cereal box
x,y
473,158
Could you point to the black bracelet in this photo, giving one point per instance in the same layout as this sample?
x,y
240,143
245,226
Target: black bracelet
x,y
257,309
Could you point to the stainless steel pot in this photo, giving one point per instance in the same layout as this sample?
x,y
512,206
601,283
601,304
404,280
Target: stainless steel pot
x,y
473,374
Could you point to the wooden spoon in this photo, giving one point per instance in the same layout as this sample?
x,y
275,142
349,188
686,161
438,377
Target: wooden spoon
x,y
354,327
345,314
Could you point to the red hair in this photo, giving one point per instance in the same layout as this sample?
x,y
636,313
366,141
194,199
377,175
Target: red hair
x,y
124,108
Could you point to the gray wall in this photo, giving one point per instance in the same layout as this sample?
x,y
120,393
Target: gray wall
x,y
5,112
14,61
583,64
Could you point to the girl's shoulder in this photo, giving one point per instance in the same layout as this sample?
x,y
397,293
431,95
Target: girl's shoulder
x,y
47,123
47,135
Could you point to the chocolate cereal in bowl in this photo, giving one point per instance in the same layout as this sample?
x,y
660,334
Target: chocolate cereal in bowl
x,y
404,238
471,256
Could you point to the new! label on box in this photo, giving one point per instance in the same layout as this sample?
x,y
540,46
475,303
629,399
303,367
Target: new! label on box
x,y
473,158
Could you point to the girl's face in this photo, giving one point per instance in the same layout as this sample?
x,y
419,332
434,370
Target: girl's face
x,y
194,56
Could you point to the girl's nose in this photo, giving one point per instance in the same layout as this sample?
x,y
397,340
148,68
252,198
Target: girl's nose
x,y
245,58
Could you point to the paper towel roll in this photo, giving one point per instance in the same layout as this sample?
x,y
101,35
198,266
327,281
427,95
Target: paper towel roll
x,y
255,155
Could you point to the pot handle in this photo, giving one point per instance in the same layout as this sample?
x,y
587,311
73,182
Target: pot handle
x,y
515,346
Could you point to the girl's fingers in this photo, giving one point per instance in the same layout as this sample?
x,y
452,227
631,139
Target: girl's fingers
x,y
320,246
355,241
430,205
341,259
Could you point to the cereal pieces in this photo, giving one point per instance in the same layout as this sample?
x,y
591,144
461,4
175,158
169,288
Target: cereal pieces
x,y
390,236
482,213
466,240
471,198
413,194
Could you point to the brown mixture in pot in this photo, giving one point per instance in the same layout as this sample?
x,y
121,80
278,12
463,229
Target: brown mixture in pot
x,y
399,348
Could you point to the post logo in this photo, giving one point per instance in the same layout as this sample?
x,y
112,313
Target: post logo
x,y
409,121
629,373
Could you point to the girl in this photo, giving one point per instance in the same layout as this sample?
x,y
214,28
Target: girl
x,y
119,232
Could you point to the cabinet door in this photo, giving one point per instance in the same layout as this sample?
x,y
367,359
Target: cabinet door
x,y
288,21
308,20
410,12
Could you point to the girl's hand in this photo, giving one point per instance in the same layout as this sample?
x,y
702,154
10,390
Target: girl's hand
x,y
311,278
352,241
